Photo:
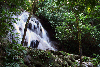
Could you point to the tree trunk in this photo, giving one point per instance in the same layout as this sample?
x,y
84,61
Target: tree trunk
x,y
25,30
79,39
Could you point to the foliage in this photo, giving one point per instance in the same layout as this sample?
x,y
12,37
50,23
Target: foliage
x,y
10,51
85,59
67,18
61,15
96,59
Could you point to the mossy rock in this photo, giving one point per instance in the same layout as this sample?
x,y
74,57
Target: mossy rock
x,y
69,62
72,58
23,65
64,64
47,58
76,57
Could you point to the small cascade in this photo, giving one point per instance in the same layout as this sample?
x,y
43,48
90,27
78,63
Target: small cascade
x,y
36,35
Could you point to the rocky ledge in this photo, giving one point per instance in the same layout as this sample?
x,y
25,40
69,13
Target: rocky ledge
x,y
49,58
30,57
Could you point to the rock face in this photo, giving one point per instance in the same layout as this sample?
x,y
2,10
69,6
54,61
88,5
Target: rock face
x,y
34,43
50,58
30,57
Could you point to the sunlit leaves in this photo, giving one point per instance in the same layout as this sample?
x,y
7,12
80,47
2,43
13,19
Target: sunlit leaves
x,y
28,5
88,9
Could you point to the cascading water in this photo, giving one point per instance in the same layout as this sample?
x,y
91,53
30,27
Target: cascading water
x,y
36,35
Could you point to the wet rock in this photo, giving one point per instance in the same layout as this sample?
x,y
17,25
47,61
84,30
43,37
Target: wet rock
x,y
72,58
29,26
87,64
34,43
25,43
90,64
37,22
27,59
69,62
98,65
76,57
64,64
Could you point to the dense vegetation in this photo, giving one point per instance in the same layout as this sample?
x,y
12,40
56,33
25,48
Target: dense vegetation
x,y
63,14
74,21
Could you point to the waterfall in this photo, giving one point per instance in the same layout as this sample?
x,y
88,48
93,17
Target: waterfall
x,y
36,35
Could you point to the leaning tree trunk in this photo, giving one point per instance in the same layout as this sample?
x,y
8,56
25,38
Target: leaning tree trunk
x,y
79,39
25,30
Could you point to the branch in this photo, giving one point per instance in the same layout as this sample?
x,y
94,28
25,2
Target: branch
x,y
25,30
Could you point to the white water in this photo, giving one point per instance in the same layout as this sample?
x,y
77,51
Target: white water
x,y
37,32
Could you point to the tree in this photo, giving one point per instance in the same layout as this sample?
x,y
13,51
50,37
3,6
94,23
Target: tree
x,y
58,13
77,7
32,11
9,50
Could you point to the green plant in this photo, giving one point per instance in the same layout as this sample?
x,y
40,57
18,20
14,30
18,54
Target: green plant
x,y
11,53
96,60
85,59
61,15
68,18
